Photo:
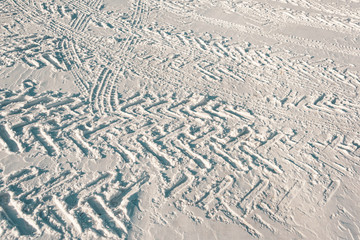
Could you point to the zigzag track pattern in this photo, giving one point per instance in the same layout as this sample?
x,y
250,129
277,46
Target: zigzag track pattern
x,y
197,136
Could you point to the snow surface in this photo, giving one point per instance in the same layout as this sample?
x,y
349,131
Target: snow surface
x,y
179,119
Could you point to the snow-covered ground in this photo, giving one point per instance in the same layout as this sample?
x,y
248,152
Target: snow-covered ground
x,y
179,119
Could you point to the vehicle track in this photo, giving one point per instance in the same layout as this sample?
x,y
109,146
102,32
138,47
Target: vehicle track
x,y
201,137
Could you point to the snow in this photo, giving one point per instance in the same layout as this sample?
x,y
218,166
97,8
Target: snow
x,y
178,119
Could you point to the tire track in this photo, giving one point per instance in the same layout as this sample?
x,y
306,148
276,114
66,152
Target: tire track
x,y
221,148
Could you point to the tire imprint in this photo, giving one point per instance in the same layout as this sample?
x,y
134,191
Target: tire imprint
x,y
212,145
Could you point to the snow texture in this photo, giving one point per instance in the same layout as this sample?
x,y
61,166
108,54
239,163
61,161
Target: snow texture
x,y
180,119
